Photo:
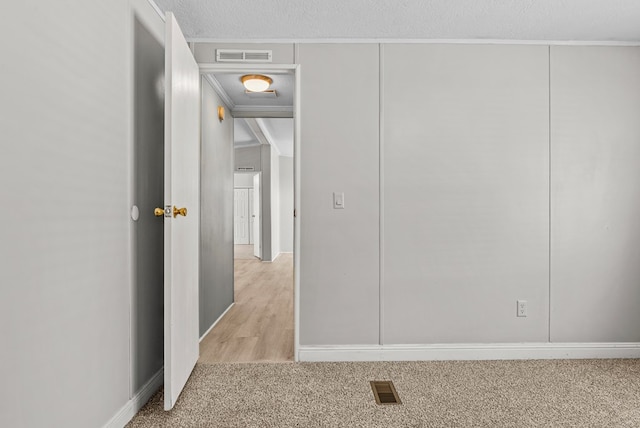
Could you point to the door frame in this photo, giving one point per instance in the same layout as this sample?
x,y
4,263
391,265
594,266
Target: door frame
x,y
257,237
154,22
206,68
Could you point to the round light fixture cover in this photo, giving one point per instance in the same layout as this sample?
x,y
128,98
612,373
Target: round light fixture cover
x,y
256,82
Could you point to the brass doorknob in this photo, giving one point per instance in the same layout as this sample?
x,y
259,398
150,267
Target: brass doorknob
x,y
179,211
158,212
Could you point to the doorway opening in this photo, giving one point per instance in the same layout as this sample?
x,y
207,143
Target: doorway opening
x,y
260,325
247,216
147,193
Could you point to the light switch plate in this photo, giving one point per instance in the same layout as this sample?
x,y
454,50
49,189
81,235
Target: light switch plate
x,y
338,200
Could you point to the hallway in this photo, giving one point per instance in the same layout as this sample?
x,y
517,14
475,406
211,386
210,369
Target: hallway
x,y
259,327
243,252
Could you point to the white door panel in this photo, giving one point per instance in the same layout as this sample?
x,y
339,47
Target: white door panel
x,y
182,187
241,216
252,217
257,230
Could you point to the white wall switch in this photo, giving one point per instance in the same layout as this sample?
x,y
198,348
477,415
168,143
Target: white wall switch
x,y
522,308
338,200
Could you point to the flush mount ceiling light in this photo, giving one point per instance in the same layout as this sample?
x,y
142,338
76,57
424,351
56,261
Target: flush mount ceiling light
x,y
256,82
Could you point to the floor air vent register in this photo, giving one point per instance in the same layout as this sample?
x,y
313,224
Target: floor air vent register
x,y
385,392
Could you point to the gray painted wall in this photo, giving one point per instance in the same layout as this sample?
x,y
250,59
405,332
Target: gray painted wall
x,y
339,268
275,204
243,180
473,163
65,260
148,193
466,193
286,204
595,205
248,157
216,217
265,191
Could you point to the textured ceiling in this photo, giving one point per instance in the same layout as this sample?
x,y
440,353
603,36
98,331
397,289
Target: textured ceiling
x,y
536,20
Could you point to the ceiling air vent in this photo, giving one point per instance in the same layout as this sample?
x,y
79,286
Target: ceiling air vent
x,y
235,55
264,94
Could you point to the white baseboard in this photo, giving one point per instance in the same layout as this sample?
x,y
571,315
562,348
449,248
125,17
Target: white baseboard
x,y
130,409
276,257
497,351
273,259
216,321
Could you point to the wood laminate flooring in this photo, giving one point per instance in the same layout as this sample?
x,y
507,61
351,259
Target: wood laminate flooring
x,y
259,327
243,252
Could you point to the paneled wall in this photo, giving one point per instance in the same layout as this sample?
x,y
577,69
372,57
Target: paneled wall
x,y
466,193
216,216
501,173
595,205
339,153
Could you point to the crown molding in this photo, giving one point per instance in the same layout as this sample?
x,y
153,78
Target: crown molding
x,y
246,111
424,41
157,9
267,134
217,87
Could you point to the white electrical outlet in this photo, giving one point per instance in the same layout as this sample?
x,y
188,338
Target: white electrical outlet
x,y
522,308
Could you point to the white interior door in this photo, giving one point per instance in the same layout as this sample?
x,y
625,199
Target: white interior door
x,y
181,232
241,216
257,242
252,216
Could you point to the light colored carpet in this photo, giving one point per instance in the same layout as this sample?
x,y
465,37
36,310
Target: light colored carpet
x,y
557,393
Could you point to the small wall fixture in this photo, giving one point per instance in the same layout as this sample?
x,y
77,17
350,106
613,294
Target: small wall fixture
x,y
256,82
220,113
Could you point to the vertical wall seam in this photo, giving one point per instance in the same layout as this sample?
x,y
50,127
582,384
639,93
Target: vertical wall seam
x,y
381,194
201,317
549,297
297,241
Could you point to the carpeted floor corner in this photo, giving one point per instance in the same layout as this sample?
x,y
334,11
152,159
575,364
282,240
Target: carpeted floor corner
x,y
540,393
